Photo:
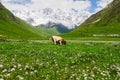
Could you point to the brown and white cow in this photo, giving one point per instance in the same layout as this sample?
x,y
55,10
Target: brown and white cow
x,y
58,39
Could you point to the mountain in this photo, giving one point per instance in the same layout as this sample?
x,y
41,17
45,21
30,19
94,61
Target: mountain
x,y
13,27
68,18
52,29
105,23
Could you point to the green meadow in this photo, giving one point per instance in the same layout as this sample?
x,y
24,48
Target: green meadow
x,y
78,60
92,51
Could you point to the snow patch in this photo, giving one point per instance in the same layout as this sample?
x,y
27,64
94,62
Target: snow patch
x,y
96,21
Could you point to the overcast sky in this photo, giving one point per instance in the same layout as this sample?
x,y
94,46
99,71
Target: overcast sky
x,y
91,5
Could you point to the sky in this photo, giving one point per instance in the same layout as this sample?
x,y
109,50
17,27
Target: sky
x,y
91,5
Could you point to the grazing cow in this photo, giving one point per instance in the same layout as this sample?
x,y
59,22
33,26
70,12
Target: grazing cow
x,y
58,39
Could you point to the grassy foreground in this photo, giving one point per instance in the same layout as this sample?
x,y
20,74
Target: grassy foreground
x,y
28,60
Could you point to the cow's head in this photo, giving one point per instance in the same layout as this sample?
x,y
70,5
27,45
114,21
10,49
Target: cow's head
x,y
64,42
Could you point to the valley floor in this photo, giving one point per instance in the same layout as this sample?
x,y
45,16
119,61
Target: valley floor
x,y
41,60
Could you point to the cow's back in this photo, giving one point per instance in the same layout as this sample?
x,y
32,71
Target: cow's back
x,y
56,38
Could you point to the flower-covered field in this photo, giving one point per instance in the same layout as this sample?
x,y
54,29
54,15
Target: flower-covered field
x,y
29,60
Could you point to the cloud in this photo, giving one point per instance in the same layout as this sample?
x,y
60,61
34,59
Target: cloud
x,y
40,4
102,4
61,4
22,2
81,5
15,4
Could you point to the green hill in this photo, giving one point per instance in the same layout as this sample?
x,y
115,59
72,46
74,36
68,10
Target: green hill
x,y
53,30
47,31
105,23
14,28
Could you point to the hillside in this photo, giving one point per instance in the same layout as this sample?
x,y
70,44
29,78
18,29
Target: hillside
x,y
55,29
102,24
14,28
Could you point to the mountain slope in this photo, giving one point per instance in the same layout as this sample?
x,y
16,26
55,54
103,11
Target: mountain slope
x,y
56,29
13,27
103,23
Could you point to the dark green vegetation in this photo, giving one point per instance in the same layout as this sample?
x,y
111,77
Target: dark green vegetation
x,y
102,24
47,31
12,27
53,30
75,61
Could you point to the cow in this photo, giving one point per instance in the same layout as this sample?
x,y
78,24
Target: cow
x,y
58,40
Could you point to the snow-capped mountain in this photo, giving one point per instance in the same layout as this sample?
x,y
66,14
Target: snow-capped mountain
x,y
69,18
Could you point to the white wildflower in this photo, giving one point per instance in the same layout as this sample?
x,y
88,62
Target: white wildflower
x,y
14,66
37,60
93,61
85,78
19,65
103,74
26,66
57,71
56,64
13,59
1,66
41,64
35,71
85,75
5,70
77,78
73,74
26,73
20,77
7,75
13,69
20,69
31,72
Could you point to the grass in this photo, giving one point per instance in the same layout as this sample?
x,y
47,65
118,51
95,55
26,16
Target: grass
x,y
41,60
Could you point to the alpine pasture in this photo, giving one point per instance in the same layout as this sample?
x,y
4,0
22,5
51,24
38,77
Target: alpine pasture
x,y
78,60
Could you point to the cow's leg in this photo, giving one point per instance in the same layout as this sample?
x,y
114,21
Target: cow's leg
x,y
60,42
54,41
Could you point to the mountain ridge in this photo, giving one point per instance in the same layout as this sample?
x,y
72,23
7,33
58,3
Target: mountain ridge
x,y
104,22
69,18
